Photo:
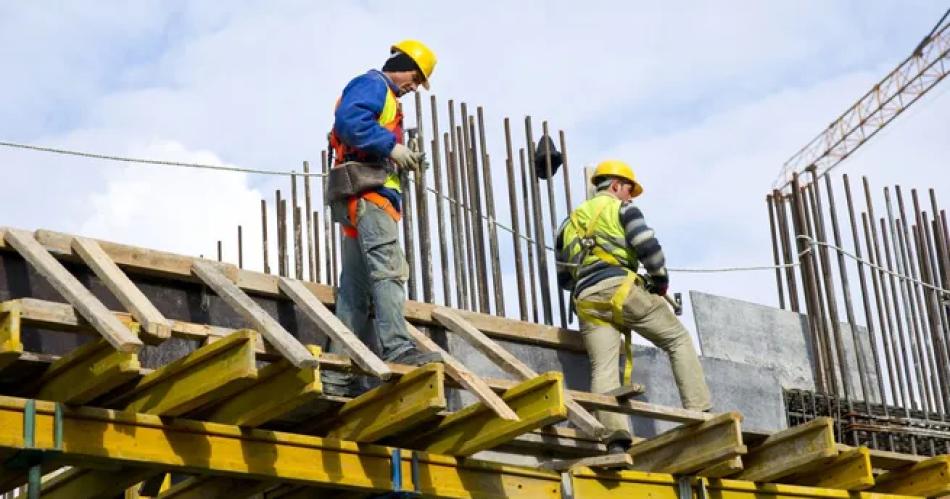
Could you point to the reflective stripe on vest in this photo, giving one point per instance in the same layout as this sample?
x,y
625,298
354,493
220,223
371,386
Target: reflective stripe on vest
x,y
593,234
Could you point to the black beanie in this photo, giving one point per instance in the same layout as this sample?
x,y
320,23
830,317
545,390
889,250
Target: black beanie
x,y
399,61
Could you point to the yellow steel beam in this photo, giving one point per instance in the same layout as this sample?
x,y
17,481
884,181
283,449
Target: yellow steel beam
x,y
538,402
690,448
10,345
791,451
726,468
279,389
930,478
86,373
393,407
118,438
209,374
849,470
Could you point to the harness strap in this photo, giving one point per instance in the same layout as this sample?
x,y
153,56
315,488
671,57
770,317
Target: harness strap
x,y
615,307
373,197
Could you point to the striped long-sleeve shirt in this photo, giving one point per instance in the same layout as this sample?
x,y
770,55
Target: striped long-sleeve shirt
x,y
637,234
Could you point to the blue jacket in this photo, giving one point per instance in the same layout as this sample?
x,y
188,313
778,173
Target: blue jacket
x,y
359,109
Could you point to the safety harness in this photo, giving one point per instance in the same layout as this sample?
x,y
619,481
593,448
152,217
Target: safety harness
x,y
592,244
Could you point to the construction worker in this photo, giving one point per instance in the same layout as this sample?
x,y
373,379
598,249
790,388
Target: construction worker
x,y
367,143
600,247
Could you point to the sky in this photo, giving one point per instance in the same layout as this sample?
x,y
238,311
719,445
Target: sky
x,y
705,100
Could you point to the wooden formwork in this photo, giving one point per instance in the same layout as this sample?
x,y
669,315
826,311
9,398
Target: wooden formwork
x,y
245,412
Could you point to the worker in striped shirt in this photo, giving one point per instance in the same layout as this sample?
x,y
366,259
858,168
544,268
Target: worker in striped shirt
x,y
600,248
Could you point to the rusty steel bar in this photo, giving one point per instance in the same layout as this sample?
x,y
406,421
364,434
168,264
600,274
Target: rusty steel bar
x,y
939,322
464,198
457,181
422,210
515,225
902,339
408,234
526,202
475,208
862,286
914,374
281,241
329,229
884,318
545,283
828,345
784,229
458,260
264,235
440,205
804,259
566,173
298,236
308,206
490,208
219,251
240,246
552,208
934,346
315,244
769,203
846,291
891,334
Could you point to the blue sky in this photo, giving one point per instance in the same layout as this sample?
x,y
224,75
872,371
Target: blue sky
x,y
705,100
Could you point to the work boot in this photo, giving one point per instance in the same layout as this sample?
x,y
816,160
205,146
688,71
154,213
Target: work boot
x,y
619,442
415,357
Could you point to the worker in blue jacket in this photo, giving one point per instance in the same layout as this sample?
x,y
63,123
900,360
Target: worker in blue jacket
x,y
368,130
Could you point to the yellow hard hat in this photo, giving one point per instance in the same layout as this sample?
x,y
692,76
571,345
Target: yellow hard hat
x,y
617,168
423,56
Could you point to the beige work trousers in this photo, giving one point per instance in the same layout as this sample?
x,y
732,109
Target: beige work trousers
x,y
651,317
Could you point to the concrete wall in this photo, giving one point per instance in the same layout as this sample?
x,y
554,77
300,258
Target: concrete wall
x,y
758,335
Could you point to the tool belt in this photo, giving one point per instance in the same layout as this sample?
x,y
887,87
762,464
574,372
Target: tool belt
x,y
585,309
352,206
353,178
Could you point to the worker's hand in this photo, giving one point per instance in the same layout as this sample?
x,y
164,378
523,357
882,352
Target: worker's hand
x,y
658,284
405,158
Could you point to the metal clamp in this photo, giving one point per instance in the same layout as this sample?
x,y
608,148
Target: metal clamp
x,y
30,457
567,485
684,487
396,463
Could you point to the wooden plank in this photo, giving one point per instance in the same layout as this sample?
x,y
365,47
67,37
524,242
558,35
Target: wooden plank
x,y
791,451
279,389
155,327
849,470
10,345
209,374
279,337
414,398
888,460
556,441
87,373
467,379
928,478
75,293
538,402
512,365
612,461
691,448
334,328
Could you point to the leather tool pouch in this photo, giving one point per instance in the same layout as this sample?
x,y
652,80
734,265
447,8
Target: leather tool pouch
x,y
351,179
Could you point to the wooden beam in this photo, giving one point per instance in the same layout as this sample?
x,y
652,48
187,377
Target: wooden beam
x,y
467,379
75,293
209,374
155,328
512,365
691,448
87,373
279,337
279,389
414,398
538,402
929,478
334,328
849,470
10,345
791,451
888,460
